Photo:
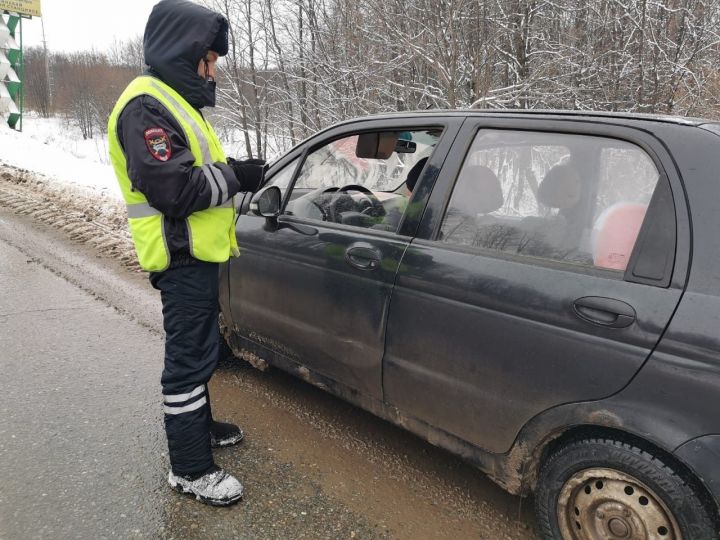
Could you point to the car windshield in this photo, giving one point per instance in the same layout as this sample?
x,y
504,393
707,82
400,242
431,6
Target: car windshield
x,y
337,163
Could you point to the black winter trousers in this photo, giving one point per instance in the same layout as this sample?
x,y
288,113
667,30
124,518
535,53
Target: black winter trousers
x,y
192,339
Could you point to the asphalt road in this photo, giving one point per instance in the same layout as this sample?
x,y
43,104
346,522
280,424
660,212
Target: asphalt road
x,y
82,449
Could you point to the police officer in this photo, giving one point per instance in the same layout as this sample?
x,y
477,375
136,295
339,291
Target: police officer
x,y
179,188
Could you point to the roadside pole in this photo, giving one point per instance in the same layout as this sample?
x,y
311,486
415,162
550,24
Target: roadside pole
x,y
47,65
21,75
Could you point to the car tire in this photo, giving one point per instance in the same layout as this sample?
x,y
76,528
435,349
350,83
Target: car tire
x,y
605,488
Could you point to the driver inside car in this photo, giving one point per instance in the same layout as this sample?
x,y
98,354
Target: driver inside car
x,y
395,212
363,180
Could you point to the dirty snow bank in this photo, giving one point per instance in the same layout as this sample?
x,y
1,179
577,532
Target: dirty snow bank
x,y
87,218
57,151
50,173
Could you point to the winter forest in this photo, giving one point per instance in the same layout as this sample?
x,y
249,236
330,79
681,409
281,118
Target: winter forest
x,y
296,66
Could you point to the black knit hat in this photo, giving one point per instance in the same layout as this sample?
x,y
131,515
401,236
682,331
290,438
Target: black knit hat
x,y
178,35
220,43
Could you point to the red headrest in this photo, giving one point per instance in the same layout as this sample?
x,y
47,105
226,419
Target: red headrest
x,y
615,233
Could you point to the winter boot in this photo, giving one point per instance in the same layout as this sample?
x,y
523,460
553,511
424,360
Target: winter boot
x,y
223,434
215,487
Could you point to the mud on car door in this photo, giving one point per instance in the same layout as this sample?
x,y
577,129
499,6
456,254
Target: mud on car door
x,y
313,287
541,275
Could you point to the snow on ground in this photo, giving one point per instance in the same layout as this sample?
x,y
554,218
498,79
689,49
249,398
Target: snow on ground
x,y
50,173
56,149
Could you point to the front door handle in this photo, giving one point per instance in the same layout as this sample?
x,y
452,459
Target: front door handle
x,y
605,311
363,256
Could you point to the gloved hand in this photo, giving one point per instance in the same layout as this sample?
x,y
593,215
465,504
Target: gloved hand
x,y
249,172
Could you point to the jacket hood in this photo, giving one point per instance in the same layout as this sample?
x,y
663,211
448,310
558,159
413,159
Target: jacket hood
x,y
178,34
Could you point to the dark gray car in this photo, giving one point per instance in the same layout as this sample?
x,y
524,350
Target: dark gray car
x,y
536,292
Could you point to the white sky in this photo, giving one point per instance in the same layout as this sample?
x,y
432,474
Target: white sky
x,y
74,25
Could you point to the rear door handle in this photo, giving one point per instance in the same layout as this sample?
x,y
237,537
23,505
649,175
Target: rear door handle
x,y
605,311
363,256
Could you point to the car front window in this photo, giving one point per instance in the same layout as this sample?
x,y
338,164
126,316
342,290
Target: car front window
x,y
337,163
363,179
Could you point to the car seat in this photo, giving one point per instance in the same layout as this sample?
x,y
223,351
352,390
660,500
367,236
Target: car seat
x,y
560,188
477,193
550,236
614,234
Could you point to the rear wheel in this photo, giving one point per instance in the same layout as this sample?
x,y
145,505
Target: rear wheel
x,y
595,489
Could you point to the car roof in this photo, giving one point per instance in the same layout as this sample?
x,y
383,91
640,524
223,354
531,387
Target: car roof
x,y
549,114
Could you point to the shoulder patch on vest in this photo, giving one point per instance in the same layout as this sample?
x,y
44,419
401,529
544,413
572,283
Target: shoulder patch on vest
x,y
158,143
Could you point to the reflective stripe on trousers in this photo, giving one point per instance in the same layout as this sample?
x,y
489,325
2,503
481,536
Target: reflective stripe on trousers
x,y
188,402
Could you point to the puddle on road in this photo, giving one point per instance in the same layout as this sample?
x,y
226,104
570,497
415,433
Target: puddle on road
x,y
349,465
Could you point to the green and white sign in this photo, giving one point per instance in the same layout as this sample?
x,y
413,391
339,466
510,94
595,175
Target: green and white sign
x,y
11,70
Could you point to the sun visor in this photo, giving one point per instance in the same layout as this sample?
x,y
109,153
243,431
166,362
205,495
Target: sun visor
x,y
376,145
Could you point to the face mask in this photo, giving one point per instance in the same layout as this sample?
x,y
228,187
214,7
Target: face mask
x,y
205,94
210,93
209,88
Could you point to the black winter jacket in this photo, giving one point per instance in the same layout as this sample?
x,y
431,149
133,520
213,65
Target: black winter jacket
x,y
177,36
175,187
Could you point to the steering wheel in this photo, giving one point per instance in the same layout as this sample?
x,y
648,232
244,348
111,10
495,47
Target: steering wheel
x,y
376,209
319,200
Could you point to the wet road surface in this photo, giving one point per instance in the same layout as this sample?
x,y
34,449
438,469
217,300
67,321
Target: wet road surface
x,y
79,443
82,450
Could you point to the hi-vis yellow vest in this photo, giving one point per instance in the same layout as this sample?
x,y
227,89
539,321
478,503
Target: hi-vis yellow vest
x,y
211,232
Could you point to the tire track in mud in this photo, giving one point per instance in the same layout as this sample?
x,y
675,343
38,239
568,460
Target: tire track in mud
x,y
86,216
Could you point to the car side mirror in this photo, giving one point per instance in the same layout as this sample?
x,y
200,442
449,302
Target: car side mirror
x,y
266,202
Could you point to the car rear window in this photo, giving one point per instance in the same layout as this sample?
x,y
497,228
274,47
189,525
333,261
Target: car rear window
x,y
576,199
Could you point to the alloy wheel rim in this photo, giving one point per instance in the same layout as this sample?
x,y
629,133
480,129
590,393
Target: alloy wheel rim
x,y
606,504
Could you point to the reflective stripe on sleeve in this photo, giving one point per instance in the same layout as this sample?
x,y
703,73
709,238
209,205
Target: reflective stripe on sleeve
x,y
141,210
214,188
179,398
221,181
187,408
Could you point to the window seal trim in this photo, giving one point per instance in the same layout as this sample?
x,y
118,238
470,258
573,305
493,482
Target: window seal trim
x,y
529,260
318,223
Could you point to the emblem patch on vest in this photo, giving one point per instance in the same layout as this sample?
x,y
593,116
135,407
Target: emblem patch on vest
x,y
158,143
